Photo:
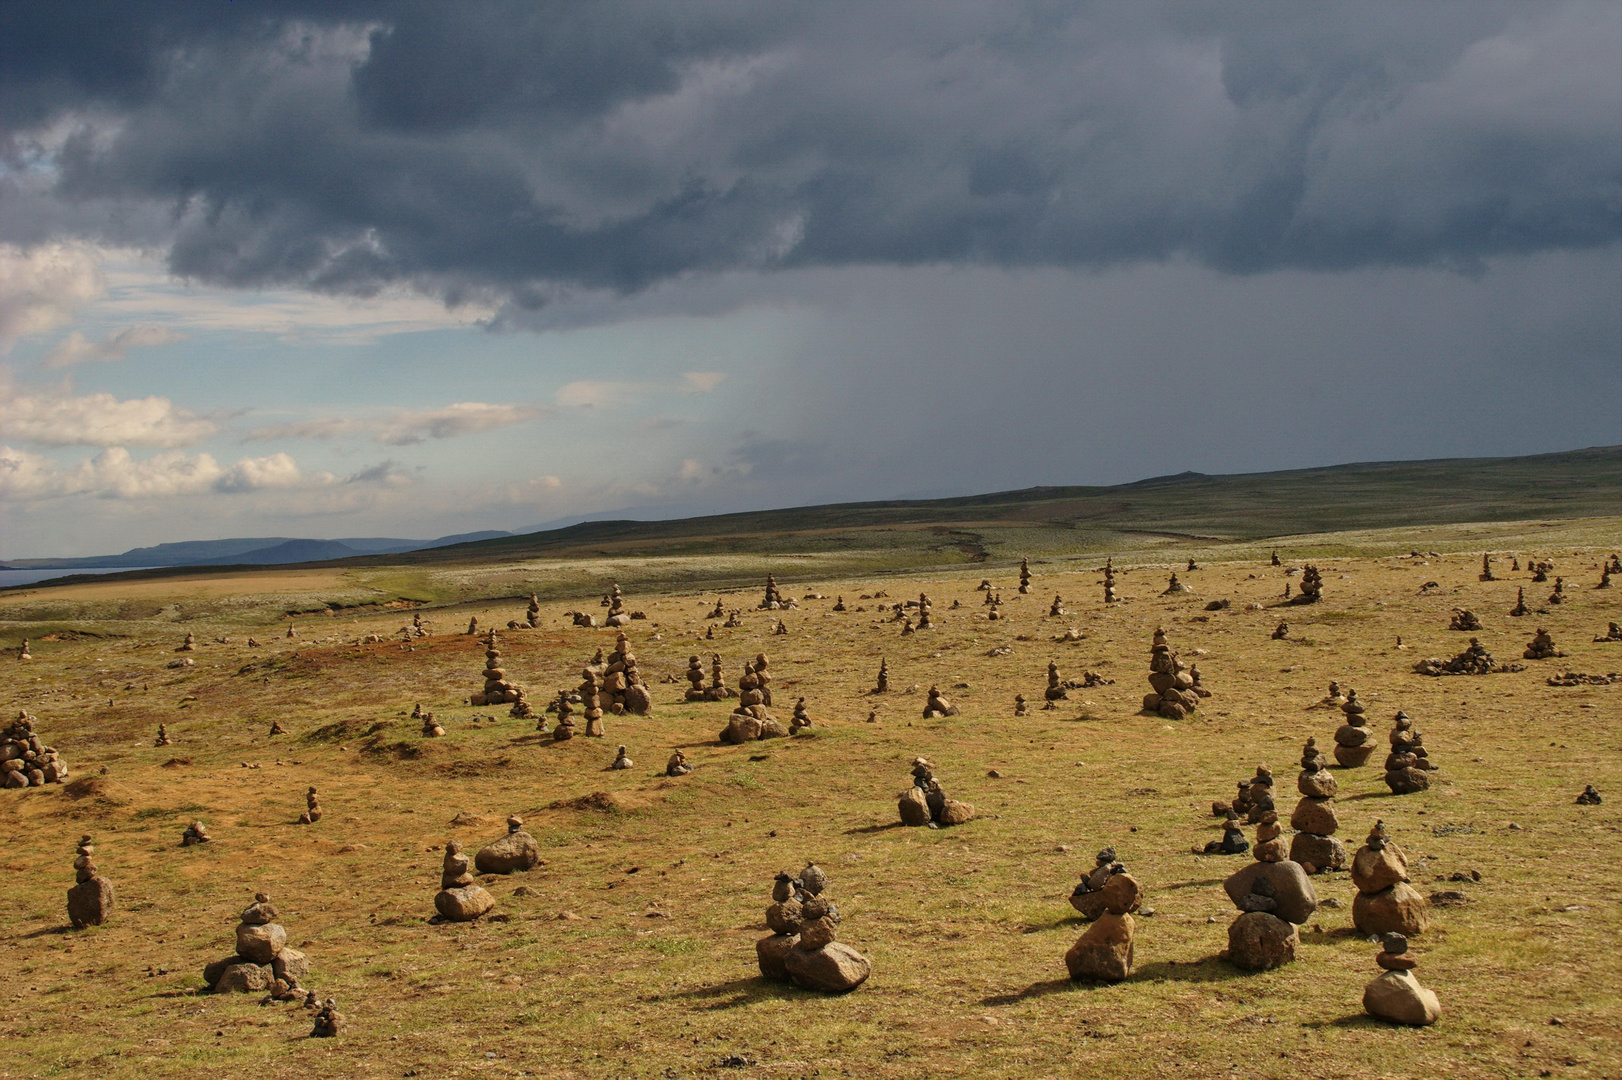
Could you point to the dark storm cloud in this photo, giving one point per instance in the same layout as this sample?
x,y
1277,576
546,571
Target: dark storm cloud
x,y
510,150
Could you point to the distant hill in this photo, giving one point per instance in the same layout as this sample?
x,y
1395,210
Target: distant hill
x,y
249,551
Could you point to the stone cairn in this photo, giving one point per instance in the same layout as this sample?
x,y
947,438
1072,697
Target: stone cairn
x,y
431,728
1614,633
1281,632
1314,845
1233,840
937,705
750,720
262,960
1352,746
1558,596
513,853
1175,586
1395,994
1486,569
1407,768
1274,896
677,765
195,833
472,625
189,645
925,606
623,687
163,736
591,706
1088,895
801,719
622,760
312,808
615,603
25,761
1541,647
1590,796
1604,577
1540,570
532,614
90,900
497,690
1056,690
329,1022
1256,799
1104,952
695,677
1520,607
773,600
1464,619
1275,559
882,686
1385,902
1475,660
1056,609
1019,705
459,899
839,604
1109,582
1024,575
565,710
1173,693
925,803
1312,584
802,948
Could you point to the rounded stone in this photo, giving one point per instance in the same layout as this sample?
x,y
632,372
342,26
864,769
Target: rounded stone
x,y
511,853
463,904
1293,893
1319,784
772,951
1398,997
1258,941
1399,909
260,944
1375,870
243,979
1321,852
1315,816
1104,952
835,968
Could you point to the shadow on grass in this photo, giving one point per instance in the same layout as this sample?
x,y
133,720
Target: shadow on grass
x,y
1361,1021
874,828
1210,969
1056,924
1369,795
1202,884
741,992
44,931
1035,990
1329,937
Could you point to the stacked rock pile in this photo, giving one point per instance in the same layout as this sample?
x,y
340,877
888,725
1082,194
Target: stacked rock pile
x,y
459,899
312,808
756,678
1056,609
90,900
431,728
925,607
25,760
591,706
622,760
1541,647
773,600
1172,693
925,803
695,676
1024,575
497,690
937,705
1174,586
677,765
801,719
615,603
1274,896
195,833
189,645
1019,705
1614,633
1352,746
1408,766
803,946
1486,569
1056,690
1520,607
1475,660
1540,570
329,1022
515,852
1088,895
750,720
1395,994
1255,796
623,687
1312,585
163,736
1464,619
1386,903
1109,582
472,625
262,960
1558,596
22,651
882,684
1104,952
1314,845
1590,796
1233,840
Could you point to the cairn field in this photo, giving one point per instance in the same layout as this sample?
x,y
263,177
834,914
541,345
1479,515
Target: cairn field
x,y
630,951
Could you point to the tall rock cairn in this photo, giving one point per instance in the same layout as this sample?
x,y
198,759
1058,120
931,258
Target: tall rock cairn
x,y
623,687
90,900
773,600
1173,693
1314,845
25,761
1352,739
1024,575
497,690
617,615
1312,585
459,899
1386,902
803,947
262,960
1104,952
1109,582
1408,766
1274,896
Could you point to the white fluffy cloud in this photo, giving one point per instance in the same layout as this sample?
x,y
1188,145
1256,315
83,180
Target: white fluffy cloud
x,y
40,287
115,474
78,349
60,419
408,428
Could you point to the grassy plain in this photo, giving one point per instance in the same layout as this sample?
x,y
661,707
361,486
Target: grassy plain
x,y
966,927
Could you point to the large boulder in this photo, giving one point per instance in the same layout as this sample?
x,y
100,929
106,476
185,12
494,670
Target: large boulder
x,y
291,966
90,902
514,852
835,968
213,971
914,808
463,904
1258,941
1318,852
1400,909
1295,899
1104,952
1398,997
260,943
1315,815
772,952
1375,870
741,728
956,813
243,979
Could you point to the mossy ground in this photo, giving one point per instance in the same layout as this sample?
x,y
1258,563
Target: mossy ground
x,y
966,927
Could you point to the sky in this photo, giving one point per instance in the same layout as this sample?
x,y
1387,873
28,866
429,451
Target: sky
x,y
328,269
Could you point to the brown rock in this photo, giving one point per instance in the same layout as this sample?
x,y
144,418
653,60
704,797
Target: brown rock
x,y
1122,894
835,968
1317,785
1315,816
1398,997
1322,852
956,813
1398,909
771,953
1258,941
90,902
464,903
1104,952
1292,890
913,807
1375,870
514,852
260,944
246,978
291,966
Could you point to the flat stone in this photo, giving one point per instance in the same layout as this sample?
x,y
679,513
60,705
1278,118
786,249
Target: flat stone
x,y
1104,952
1258,941
1292,889
1398,997
835,968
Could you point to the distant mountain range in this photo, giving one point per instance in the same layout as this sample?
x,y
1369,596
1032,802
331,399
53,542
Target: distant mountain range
x,y
247,551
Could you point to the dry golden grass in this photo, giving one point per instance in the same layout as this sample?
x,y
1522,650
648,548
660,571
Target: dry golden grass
x,y
966,927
